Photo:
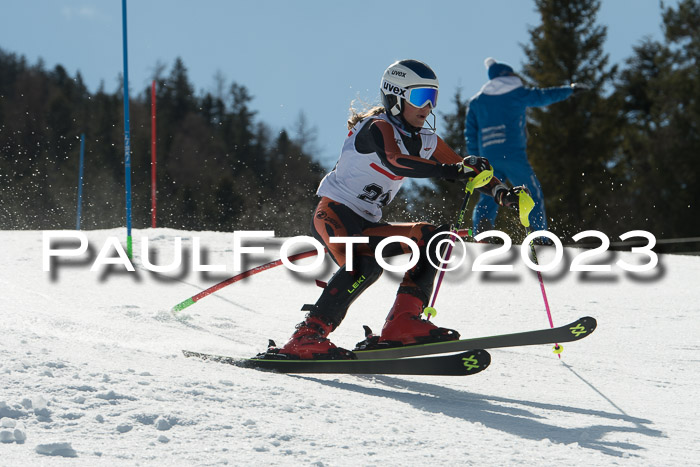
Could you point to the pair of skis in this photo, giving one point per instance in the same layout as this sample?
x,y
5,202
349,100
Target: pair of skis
x,y
456,358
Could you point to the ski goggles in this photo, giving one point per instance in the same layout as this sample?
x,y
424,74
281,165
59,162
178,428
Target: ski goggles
x,y
418,97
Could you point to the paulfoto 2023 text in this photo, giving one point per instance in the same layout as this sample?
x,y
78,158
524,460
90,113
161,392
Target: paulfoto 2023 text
x,y
582,262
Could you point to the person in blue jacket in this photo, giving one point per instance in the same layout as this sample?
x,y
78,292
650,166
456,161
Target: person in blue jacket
x,y
496,130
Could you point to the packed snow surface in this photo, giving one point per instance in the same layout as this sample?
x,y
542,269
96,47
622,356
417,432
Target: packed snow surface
x,y
92,373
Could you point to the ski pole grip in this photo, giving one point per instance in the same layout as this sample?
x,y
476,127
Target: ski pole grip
x,y
525,205
481,179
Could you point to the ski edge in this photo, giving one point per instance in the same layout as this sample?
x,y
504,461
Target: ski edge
x,y
465,363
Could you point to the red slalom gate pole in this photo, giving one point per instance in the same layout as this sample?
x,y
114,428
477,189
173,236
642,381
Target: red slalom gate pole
x,y
250,272
253,271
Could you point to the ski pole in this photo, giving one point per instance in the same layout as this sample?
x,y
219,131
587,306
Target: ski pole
x,y
525,205
481,179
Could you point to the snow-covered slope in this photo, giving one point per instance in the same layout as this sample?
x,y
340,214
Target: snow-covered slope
x,y
91,371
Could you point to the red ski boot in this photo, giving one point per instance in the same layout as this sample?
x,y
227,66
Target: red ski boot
x,y
404,325
309,342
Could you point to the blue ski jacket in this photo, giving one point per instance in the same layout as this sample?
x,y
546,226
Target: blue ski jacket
x,y
496,120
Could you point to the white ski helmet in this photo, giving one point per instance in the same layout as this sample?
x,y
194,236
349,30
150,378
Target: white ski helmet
x,y
408,80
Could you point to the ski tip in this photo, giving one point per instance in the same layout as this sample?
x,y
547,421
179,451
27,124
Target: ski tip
x,y
581,328
590,323
474,361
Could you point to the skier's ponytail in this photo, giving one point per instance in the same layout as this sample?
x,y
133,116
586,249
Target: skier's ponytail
x,y
356,116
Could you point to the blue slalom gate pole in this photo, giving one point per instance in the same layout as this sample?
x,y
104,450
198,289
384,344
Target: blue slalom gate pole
x,y
80,180
127,137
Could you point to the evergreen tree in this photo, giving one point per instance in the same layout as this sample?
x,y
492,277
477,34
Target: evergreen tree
x,y
240,132
572,142
217,167
658,98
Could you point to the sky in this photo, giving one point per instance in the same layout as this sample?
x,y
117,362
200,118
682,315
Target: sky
x,y
310,56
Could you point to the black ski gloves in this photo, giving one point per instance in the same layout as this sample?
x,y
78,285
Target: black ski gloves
x,y
509,197
472,165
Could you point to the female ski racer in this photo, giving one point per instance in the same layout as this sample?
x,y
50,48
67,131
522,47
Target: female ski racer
x,y
385,145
